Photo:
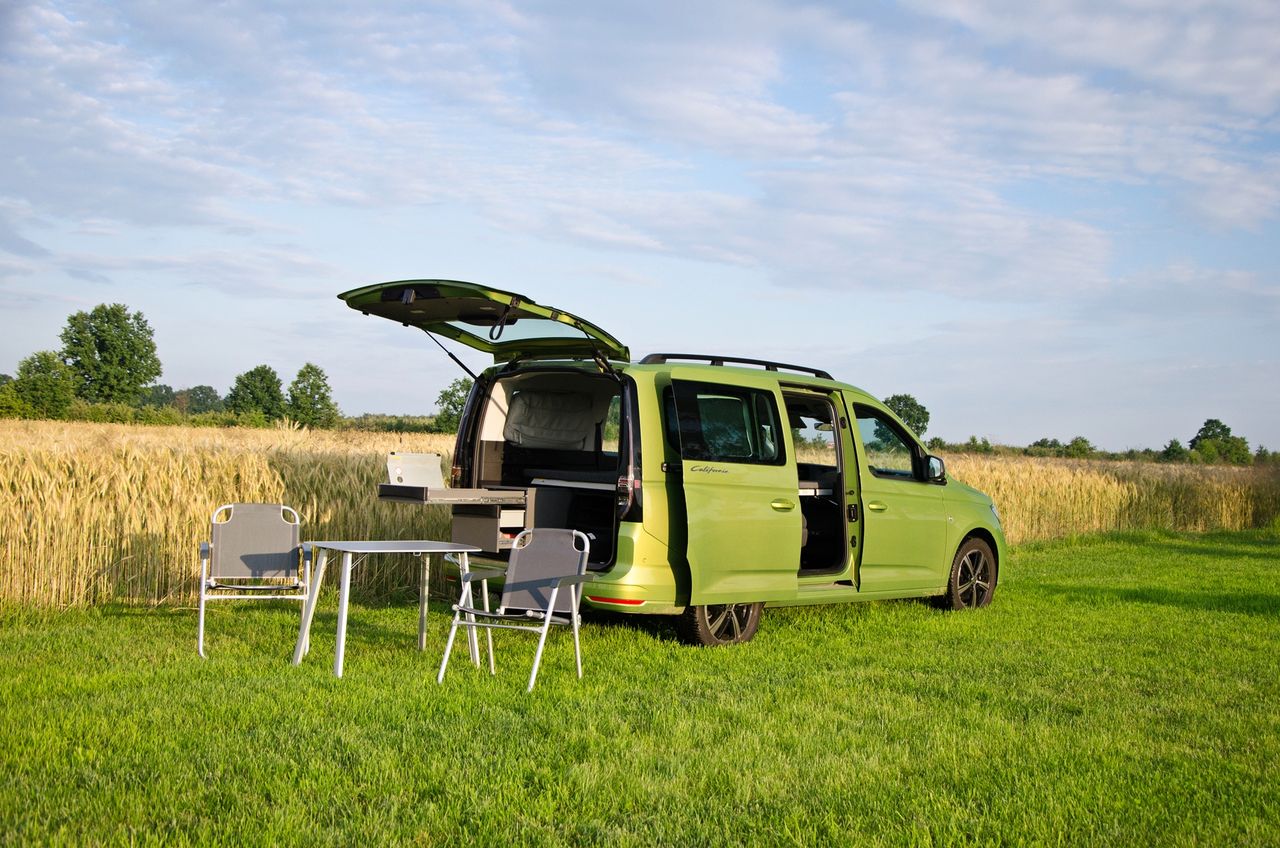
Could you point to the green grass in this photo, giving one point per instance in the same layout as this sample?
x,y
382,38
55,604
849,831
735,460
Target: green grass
x,y
1120,691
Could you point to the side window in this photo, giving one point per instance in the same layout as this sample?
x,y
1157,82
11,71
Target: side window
x,y
727,423
813,430
889,452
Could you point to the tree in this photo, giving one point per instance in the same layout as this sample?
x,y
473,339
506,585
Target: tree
x,y
1078,448
911,411
450,402
1174,452
310,400
257,390
5,379
1212,429
12,406
198,399
976,445
46,384
158,395
1214,443
112,353
1233,450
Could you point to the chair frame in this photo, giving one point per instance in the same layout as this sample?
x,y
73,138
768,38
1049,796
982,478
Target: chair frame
x,y
209,584
466,615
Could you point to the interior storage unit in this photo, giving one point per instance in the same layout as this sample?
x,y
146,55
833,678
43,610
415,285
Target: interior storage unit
x,y
544,453
554,433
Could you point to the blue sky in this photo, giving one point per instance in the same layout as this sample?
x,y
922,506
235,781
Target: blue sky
x,y
1048,219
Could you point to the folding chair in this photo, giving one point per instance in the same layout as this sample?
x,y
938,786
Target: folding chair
x,y
255,546
543,562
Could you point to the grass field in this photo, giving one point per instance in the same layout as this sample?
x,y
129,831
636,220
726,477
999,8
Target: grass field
x,y
1121,690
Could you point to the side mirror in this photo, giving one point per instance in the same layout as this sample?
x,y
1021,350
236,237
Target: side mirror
x,y
937,469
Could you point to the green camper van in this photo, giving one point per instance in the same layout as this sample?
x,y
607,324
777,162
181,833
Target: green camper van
x,y
710,486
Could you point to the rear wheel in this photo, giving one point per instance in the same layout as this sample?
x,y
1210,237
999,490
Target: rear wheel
x,y
719,624
973,577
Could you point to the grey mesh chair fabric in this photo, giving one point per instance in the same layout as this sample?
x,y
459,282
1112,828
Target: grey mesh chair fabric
x,y
543,586
253,553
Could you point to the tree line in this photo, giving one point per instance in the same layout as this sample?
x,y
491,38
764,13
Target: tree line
x,y
107,368
1213,443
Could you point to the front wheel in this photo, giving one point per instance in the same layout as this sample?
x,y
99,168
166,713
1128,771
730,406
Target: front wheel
x,y
719,624
973,577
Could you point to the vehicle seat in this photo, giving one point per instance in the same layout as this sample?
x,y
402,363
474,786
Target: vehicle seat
x,y
551,420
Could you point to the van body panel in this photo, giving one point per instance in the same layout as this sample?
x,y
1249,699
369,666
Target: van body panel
x,y
854,511
970,512
738,476
814,595
643,573
905,527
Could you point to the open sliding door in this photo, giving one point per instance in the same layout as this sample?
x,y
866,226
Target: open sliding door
x,y
740,489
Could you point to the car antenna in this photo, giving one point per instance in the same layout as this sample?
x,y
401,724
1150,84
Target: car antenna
x,y
449,353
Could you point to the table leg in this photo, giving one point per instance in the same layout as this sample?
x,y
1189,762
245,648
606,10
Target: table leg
x,y
309,608
344,593
424,576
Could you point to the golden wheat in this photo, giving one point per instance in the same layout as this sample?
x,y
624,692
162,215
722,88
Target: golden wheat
x,y
96,512
101,512
1043,499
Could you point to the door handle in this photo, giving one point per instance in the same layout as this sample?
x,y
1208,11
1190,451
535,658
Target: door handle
x,y
782,504
876,506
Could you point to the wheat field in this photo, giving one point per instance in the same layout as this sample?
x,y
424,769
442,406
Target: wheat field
x,y
108,512
98,512
1041,499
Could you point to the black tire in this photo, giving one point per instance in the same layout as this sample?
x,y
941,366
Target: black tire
x,y
719,624
973,577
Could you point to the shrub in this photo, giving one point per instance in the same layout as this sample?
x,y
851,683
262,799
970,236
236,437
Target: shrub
x,y
101,413
13,406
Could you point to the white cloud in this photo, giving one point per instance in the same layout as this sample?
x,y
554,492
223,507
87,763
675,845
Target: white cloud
x,y
988,153
1227,50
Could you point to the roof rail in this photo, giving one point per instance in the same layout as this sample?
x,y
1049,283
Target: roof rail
x,y
661,358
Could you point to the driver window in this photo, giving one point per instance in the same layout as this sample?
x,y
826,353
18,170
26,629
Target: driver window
x,y
889,453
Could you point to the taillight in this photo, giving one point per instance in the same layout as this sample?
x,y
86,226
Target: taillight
x,y
622,602
628,497
455,476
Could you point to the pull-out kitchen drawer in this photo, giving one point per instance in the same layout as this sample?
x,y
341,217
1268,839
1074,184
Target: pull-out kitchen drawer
x,y
426,495
489,519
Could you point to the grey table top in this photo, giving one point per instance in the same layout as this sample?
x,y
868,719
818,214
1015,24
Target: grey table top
x,y
396,546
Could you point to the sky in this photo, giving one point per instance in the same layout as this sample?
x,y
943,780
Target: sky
x,y
1041,219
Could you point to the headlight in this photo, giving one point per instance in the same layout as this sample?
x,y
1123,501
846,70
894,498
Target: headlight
x,y
995,512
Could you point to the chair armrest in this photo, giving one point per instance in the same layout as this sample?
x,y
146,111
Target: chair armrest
x,y
204,550
575,578
307,552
